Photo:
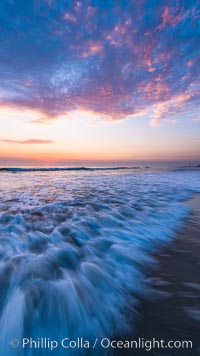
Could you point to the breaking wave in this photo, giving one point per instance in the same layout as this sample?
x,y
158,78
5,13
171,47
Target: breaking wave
x,y
61,169
74,248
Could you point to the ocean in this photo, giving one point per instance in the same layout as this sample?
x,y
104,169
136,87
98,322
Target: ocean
x,y
75,245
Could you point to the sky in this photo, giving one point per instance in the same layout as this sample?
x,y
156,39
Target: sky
x,y
99,81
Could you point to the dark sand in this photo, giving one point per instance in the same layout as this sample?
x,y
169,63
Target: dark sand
x,y
171,310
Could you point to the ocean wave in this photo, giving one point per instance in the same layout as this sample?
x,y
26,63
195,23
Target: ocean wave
x,y
74,250
60,169
93,169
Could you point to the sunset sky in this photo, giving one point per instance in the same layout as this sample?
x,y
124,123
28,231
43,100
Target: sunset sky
x,y
99,80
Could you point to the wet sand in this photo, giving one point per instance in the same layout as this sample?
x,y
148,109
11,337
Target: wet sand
x,y
171,309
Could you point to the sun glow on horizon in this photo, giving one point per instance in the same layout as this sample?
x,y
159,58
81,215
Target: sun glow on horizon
x,y
83,136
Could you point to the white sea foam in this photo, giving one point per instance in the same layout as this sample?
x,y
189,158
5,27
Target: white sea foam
x,y
74,247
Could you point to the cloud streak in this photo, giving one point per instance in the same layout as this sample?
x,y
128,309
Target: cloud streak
x,y
27,142
110,58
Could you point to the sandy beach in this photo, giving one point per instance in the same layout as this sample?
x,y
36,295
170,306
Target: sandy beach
x,y
173,310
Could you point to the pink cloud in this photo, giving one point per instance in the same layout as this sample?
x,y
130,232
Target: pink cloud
x,y
27,142
167,18
169,108
69,17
